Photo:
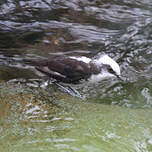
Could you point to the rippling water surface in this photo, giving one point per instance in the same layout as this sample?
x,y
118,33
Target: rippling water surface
x,y
43,29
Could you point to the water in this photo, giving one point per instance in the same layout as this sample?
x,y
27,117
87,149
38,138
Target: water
x,y
114,115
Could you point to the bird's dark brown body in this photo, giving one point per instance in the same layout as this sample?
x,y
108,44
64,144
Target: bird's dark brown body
x,y
66,69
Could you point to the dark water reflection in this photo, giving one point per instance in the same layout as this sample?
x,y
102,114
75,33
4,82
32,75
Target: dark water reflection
x,y
122,29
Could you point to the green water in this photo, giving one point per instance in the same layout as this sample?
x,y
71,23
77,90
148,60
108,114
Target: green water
x,y
68,124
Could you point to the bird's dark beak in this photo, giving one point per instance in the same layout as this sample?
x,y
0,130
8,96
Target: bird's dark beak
x,y
119,77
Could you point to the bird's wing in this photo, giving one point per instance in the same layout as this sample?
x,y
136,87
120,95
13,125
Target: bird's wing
x,y
66,69
53,74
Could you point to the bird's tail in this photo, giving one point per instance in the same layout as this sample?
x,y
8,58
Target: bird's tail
x,y
35,62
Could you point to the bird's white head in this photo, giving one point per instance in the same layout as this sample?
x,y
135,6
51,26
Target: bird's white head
x,y
106,60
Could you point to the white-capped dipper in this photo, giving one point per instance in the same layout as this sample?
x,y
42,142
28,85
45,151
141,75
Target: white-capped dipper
x,y
71,69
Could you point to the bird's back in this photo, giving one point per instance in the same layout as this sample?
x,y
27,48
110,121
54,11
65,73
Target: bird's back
x,y
64,69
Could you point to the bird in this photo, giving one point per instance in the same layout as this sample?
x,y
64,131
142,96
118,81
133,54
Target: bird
x,y
74,69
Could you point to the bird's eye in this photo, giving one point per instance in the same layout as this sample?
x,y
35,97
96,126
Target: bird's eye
x,y
111,70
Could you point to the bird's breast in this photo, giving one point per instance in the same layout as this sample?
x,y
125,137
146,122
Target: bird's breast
x,y
99,77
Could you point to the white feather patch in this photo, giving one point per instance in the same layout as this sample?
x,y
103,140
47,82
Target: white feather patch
x,y
99,77
82,58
